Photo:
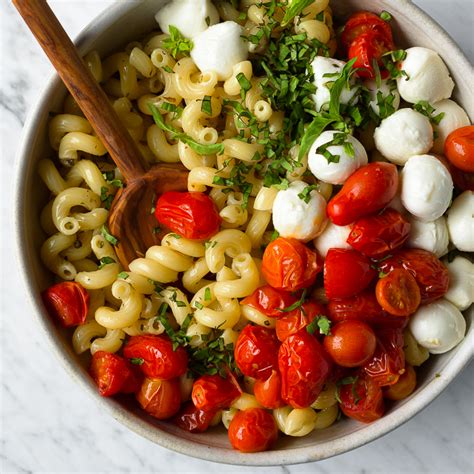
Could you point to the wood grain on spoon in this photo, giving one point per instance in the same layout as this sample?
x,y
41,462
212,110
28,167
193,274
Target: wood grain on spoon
x,y
130,219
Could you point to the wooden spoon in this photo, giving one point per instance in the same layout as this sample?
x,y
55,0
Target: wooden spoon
x,y
131,219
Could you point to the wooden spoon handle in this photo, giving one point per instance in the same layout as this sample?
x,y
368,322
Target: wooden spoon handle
x,y
81,84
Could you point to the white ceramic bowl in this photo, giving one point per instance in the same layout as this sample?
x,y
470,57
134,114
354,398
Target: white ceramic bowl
x,y
128,21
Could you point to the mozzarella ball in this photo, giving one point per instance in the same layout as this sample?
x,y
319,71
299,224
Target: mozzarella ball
x,y
333,237
219,48
331,172
402,135
327,70
385,95
428,77
461,222
438,326
432,236
454,117
191,17
461,282
293,217
426,187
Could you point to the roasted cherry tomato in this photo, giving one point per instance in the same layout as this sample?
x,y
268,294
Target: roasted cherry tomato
x,y
430,274
346,273
459,148
256,351
369,48
462,180
304,367
159,358
388,362
379,234
404,387
367,190
193,419
296,320
68,302
365,22
398,293
363,307
268,392
212,392
191,215
361,399
160,398
269,301
252,430
290,265
112,374
351,343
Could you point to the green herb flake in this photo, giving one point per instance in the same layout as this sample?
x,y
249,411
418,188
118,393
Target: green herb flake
x,y
198,305
176,44
105,261
244,83
425,108
175,236
295,305
294,9
207,294
305,195
136,360
108,236
123,275
206,105
386,16
105,197
274,236
347,381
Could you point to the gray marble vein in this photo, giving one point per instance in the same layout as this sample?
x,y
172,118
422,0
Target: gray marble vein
x,y
49,425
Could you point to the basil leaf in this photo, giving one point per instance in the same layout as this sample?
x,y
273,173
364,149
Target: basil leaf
x,y
339,84
294,9
313,131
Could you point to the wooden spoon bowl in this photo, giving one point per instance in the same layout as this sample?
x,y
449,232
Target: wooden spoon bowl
x,y
130,219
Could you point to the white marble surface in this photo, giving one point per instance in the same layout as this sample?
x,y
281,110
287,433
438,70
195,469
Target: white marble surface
x,y
49,425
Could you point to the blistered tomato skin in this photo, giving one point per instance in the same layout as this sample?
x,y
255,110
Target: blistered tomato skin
x,y
296,320
351,343
368,190
362,400
112,374
192,215
430,274
269,301
193,419
268,392
346,273
252,430
365,22
67,302
290,265
404,387
459,148
377,235
256,351
212,392
160,398
159,358
304,368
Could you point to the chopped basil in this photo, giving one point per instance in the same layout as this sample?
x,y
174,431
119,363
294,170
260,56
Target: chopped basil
x,y
105,261
322,323
175,236
206,105
207,294
347,381
295,305
425,108
274,236
108,236
294,9
339,85
105,197
123,275
315,128
305,195
339,138
386,16
198,305
244,83
177,44
174,109
136,360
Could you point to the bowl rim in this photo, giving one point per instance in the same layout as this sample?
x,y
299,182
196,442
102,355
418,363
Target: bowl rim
x,y
167,440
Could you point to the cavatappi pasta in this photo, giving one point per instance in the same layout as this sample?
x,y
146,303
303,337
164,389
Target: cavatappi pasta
x,y
244,140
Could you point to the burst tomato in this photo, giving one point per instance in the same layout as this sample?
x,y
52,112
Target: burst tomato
x,y
351,343
193,419
362,399
368,190
369,48
68,302
379,234
112,374
256,351
388,362
159,358
365,22
160,398
404,387
296,320
191,215
212,392
363,307
270,301
430,274
268,392
290,265
304,367
252,430
459,148
346,273
398,293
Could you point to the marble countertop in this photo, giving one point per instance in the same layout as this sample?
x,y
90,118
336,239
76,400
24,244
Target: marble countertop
x,y
49,425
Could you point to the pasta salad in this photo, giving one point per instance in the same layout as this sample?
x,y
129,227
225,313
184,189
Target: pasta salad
x,y
322,251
